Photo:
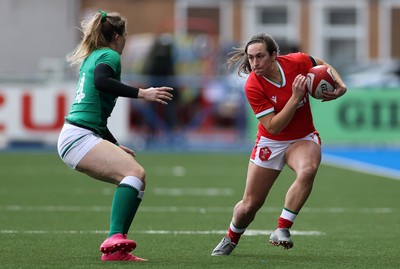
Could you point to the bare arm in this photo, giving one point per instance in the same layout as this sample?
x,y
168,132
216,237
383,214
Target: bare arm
x,y
275,123
340,86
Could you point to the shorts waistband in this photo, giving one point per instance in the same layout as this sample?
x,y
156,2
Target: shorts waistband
x,y
81,126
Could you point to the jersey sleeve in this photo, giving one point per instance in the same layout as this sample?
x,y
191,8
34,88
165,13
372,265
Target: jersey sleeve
x,y
104,81
112,59
305,61
259,103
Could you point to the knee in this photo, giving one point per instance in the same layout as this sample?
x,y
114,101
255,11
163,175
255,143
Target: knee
x,y
251,207
141,173
138,172
308,172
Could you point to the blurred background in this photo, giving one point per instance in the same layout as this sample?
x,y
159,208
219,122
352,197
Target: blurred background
x,y
184,44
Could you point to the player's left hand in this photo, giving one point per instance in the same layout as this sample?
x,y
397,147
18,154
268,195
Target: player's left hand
x,y
340,89
128,150
156,94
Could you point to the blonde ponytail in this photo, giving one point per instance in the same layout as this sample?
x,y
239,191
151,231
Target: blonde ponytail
x,y
98,33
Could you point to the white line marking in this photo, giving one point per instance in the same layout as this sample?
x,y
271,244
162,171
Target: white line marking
x,y
188,209
193,191
179,171
162,232
55,208
223,232
361,166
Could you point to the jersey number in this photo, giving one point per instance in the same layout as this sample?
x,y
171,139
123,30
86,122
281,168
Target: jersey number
x,y
79,93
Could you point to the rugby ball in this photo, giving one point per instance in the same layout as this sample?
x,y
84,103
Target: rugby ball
x,y
320,78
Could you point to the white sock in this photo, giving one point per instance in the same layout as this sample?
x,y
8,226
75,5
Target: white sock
x,y
289,215
133,182
236,229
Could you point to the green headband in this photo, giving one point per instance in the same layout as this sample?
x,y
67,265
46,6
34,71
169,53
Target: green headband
x,y
103,15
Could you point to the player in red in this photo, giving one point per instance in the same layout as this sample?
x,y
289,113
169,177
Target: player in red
x,y
276,90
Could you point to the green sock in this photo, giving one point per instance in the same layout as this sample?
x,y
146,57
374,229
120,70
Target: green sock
x,y
123,209
132,214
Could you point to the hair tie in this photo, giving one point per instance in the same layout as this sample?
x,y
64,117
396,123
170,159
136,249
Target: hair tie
x,y
103,15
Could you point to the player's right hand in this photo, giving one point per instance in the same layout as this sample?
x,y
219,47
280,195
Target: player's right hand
x,y
156,94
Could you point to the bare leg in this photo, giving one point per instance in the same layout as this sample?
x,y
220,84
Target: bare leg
x,y
304,158
258,183
108,162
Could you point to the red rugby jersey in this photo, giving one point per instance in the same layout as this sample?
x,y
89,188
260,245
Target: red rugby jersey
x,y
266,96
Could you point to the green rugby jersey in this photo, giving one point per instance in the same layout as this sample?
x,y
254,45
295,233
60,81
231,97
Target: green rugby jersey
x,y
92,107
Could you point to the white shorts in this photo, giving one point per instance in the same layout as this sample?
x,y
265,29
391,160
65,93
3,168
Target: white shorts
x,y
270,153
74,143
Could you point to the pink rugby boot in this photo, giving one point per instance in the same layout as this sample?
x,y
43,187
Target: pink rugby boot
x,y
121,256
117,242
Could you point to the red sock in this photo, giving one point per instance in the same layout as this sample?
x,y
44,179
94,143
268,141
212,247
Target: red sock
x,y
284,223
234,236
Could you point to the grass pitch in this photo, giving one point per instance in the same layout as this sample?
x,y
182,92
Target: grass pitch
x,y
53,217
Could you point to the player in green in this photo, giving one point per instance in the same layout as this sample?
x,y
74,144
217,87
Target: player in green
x,y
86,144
